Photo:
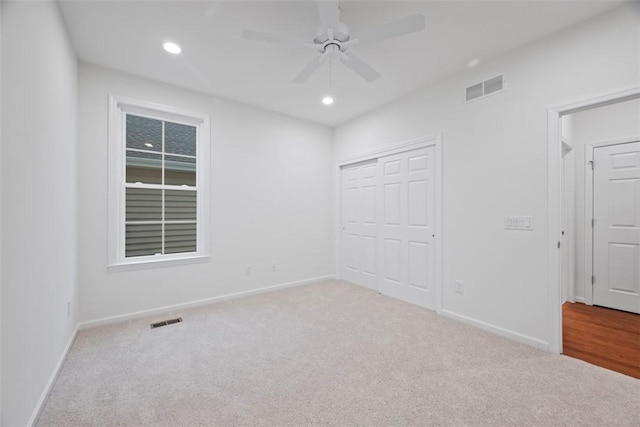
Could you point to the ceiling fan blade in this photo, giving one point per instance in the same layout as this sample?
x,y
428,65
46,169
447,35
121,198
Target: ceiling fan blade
x,y
349,43
273,38
329,13
408,25
360,67
309,69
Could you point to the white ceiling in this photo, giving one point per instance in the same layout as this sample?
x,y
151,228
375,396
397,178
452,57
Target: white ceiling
x,y
128,36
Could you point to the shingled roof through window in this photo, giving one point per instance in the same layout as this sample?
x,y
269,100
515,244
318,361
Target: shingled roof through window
x,y
146,134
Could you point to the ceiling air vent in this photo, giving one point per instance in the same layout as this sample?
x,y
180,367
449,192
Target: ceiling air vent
x,y
482,89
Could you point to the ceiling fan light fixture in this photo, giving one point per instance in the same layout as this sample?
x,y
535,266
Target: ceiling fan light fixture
x,y
327,100
172,48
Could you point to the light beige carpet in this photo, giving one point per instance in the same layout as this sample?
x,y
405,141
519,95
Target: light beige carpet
x,y
327,354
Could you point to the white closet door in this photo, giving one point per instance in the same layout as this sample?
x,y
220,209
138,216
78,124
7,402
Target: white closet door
x,y
407,216
616,232
359,224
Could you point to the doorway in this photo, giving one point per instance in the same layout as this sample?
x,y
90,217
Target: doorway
x,y
578,236
389,237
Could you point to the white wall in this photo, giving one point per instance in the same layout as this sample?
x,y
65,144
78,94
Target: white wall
x,y
495,161
39,100
1,7
609,123
271,201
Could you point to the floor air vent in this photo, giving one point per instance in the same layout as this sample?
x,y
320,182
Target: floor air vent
x,y
482,89
166,322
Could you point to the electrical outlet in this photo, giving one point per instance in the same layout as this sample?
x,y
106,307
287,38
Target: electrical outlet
x,y
274,266
68,307
459,286
248,270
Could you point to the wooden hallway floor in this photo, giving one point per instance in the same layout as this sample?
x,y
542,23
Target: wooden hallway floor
x,y
602,336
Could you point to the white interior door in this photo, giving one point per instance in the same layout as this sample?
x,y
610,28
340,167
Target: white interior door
x,y
407,213
359,224
616,231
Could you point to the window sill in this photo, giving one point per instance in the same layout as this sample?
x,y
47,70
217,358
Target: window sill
x,y
157,263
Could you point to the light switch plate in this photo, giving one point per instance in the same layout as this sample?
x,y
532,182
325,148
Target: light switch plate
x,y
512,222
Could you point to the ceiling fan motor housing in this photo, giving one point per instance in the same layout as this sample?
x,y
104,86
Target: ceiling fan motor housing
x,y
332,50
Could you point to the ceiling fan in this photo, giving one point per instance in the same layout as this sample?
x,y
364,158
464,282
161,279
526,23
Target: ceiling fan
x,y
333,40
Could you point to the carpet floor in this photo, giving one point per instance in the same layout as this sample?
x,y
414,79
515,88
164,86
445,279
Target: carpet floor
x,y
326,354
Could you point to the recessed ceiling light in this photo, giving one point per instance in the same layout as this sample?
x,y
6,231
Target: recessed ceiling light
x,y
327,100
172,48
148,144
473,63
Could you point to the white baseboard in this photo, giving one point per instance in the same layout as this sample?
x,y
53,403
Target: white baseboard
x,y
516,336
47,389
580,300
197,303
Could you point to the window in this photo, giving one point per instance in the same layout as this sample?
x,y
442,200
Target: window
x,y
158,176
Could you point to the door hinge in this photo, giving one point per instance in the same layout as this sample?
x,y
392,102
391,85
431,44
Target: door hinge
x,y
591,163
593,222
593,280
558,245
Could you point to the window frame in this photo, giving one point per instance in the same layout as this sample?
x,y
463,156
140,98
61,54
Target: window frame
x,y
119,107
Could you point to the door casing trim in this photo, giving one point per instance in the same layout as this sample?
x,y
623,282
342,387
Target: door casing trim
x,y
554,201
